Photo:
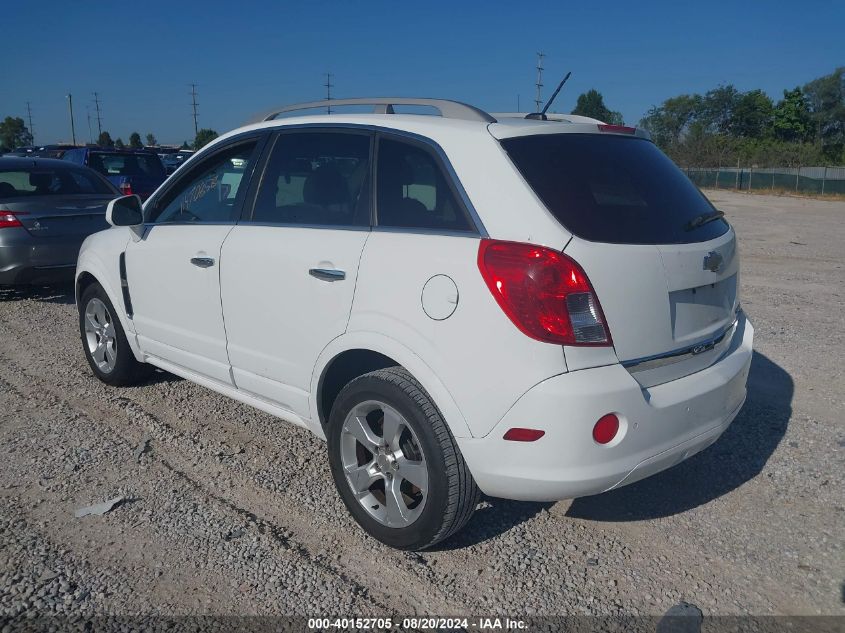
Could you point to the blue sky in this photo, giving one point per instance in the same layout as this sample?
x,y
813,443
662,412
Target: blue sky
x,y
248,56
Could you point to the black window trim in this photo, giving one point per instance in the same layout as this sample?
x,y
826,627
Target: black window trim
x,y
259,136
443,160
257,182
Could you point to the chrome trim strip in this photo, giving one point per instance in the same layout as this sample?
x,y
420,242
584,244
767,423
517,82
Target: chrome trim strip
x,y
676,356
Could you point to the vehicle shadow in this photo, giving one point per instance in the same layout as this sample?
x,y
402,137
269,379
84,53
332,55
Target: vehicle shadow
x,y
495,517
61,292
737,457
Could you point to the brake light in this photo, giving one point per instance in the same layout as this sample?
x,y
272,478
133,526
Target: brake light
x,y
9,219
126,188
619,129
543,292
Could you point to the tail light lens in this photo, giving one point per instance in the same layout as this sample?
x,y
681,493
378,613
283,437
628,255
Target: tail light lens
x,y
545,293
9,219
126,188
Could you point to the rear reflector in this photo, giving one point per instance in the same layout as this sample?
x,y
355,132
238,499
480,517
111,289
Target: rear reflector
x,y
618,129
524,435
8,219
543,292
606,428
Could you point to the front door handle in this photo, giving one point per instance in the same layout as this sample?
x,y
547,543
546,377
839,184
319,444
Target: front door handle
x,y
327,274
202,262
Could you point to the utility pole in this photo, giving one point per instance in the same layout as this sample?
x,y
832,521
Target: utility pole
x,y
328,86
194,105
70,109
539,100
29,116
99,121
90,133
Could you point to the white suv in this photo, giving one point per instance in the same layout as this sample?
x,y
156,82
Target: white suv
x,y
525,308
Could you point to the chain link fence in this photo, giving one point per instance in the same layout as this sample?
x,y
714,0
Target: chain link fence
x,y
810,180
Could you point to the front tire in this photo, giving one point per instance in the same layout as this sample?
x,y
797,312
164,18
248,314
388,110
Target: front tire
x,y
104,341
395,463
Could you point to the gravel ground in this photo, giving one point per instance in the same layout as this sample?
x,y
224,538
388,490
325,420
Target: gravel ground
x,y
229,511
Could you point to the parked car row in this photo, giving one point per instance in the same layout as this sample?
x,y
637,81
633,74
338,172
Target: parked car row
x,y
517,306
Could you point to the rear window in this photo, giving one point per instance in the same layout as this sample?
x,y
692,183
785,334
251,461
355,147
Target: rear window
x,y
613,188
50,182
126,164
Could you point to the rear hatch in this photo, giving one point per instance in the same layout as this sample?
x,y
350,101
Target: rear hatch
x,y
663,263
137,173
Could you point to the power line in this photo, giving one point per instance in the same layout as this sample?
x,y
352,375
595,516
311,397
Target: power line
x,y
99,121
539,100
194,105
29,116
328,86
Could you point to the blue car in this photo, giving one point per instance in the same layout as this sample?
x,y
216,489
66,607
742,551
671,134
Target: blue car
x,y
131,171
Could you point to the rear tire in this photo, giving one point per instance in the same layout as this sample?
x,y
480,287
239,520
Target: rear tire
x,y
395,463
104,341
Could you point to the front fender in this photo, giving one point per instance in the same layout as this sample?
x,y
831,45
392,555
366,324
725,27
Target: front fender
x,y
387,346
99,256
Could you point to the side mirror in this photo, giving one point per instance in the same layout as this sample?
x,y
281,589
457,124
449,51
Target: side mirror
x,y
125,211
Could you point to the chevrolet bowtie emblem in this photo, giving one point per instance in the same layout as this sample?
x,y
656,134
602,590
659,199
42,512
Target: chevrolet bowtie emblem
x,y
713,261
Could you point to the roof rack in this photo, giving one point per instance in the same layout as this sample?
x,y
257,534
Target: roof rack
x,y
384,105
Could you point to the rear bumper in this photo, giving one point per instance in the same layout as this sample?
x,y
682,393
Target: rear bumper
x,y
25,259
659,427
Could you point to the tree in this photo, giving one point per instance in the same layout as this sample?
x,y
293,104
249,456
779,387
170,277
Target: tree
x,y
185,145
672,120
591,104
119,144
151,139
13,133
826,99
717,108
751,115
104,140
791,119
135,141
204,137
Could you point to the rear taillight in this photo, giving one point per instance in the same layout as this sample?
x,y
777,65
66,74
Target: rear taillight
x,y
9,219
545,293
126,188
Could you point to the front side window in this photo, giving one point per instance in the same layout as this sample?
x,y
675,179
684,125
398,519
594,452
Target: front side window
x,y
209,192
316,178
413,192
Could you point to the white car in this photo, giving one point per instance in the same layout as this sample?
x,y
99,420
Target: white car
x,y
525,308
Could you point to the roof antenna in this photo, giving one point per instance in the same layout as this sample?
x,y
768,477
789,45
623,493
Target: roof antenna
x,y
541,116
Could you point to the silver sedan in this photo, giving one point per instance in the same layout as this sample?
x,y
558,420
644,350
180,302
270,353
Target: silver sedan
x,y
47,208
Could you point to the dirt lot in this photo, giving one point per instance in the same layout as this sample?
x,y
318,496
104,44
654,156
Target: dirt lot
x,y
231,512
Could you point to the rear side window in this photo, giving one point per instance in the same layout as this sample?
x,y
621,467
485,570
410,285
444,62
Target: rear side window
x,y
610,188
316,178
50,182
413,192
126,164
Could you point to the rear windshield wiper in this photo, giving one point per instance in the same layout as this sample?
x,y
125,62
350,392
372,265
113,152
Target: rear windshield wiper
x,y
703,219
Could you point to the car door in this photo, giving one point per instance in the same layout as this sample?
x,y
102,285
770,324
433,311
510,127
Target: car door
x,y
289,269
173,271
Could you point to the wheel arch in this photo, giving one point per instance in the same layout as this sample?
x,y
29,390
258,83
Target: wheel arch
x,y
355,354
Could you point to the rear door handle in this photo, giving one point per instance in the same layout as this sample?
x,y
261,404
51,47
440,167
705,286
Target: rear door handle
x,y
327,274
202,262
